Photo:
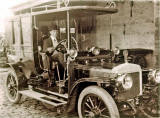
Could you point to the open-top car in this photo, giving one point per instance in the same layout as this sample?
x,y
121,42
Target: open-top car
x,y
82,76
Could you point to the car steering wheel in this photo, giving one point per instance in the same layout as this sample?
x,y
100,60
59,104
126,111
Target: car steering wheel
x,y
62,48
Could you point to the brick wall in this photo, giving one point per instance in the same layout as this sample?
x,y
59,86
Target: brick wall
x,y
157,32
139,28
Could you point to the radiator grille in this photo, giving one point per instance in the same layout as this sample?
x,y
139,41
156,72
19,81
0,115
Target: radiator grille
x,y
134,91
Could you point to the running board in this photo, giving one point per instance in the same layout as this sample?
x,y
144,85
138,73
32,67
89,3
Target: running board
x,y
44,98
64,96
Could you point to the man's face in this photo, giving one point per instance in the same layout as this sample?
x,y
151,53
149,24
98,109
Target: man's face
x,y
54,33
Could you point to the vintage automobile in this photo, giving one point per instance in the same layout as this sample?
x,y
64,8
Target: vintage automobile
x,y
92,81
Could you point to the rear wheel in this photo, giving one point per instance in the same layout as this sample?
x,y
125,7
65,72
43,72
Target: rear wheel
x,y
95,102
11,86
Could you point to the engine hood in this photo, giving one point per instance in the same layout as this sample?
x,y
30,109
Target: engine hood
x,y
113,72
127,68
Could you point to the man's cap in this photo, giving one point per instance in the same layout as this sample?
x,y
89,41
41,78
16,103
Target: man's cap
x,y
53,27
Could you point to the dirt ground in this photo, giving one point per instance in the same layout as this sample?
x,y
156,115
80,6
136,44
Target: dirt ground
x,y
27,108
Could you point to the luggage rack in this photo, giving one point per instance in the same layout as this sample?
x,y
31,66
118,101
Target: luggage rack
x,y
46,7
40,6
56,5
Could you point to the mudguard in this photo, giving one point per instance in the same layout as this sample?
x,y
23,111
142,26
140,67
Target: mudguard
x,y
94,80
78,86
23,67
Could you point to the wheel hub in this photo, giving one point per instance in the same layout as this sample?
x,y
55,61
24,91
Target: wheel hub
x,y
11,86
91,114
95,112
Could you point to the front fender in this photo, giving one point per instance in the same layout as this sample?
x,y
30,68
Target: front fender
x,y
26,67
92,81
77,87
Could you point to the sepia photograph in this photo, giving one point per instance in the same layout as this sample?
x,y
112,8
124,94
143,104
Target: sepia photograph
x,y
80,59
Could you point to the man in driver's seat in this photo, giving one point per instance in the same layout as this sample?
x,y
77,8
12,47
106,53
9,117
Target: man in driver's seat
x,y
51,58
45,47
57,56
45,43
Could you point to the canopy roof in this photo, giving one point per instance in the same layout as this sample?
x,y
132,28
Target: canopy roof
x,y
48,6
75,11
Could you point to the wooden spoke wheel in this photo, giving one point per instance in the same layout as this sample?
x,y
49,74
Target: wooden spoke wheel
x,y
11,86
95,102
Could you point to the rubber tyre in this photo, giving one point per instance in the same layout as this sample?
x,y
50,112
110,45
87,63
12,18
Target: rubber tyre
x,y
8,95
104,96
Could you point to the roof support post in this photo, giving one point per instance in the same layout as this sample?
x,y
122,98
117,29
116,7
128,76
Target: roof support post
x,y
68,42
68,31
58,4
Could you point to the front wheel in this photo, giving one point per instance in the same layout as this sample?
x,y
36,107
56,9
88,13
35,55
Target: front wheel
x,y
95,102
